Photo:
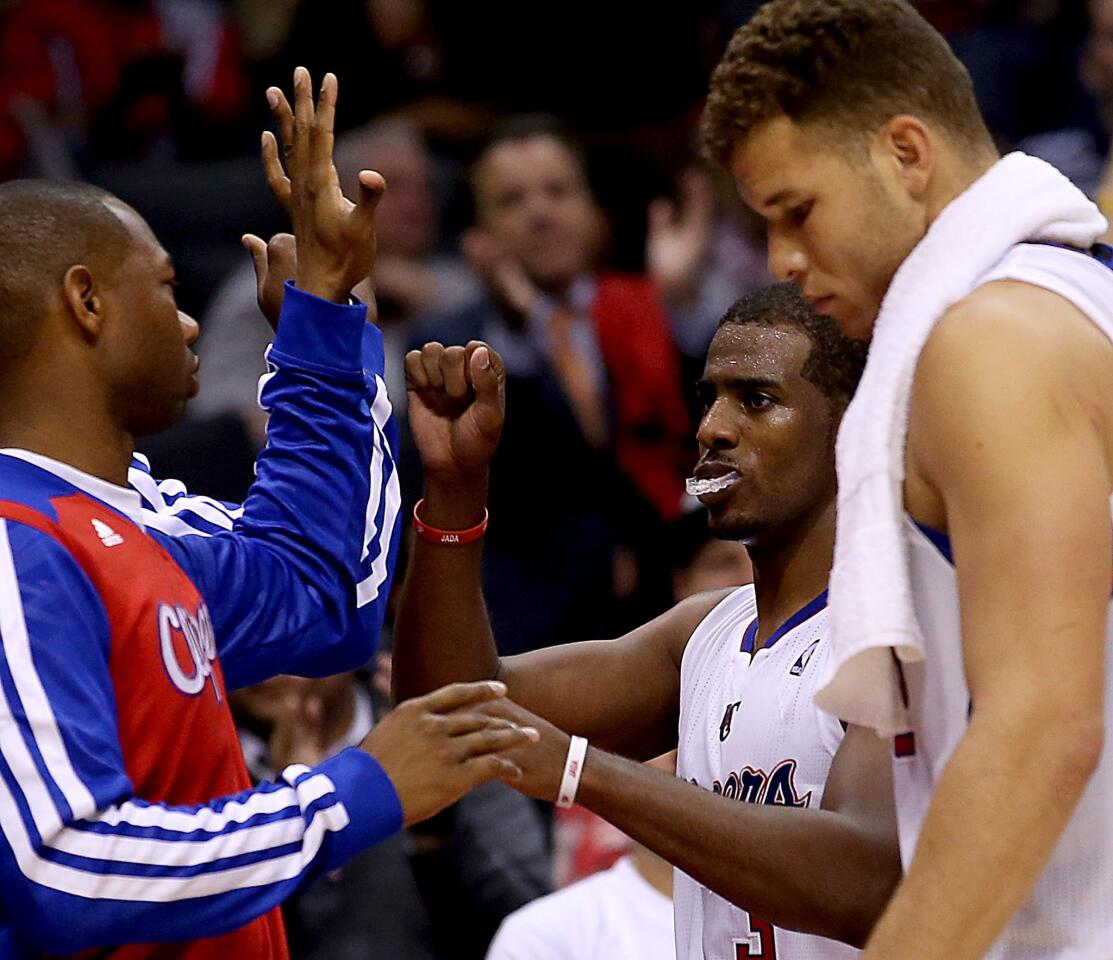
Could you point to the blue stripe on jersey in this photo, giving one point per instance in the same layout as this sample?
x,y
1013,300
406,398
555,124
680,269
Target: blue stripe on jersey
x,y
939,540
137,832
197,522
806,612
124,868
214,865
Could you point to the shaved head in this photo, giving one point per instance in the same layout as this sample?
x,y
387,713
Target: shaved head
x,y
46,227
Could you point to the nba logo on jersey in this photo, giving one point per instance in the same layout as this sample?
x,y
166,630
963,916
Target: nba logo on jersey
x,y
728,715
802,661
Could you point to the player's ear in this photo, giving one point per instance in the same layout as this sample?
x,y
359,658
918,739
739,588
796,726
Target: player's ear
x,y
907,149
82,300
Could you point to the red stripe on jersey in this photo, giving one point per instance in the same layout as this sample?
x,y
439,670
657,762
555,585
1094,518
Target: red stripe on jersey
x,y
179,747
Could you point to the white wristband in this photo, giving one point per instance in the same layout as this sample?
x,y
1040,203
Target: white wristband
x,y
573,769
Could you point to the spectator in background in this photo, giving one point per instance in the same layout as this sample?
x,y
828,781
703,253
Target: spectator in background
x,y
1080,151
411,278
625,911
436,893
599,419
599,428
116,80
372,902
1097,74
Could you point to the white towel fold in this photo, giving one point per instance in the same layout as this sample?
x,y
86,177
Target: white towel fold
x,y
871,612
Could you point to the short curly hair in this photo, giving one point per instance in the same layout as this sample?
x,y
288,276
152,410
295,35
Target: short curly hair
x,y
848,64
835,362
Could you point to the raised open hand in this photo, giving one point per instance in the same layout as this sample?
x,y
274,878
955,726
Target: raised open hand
x,y
503,275
457,406
680,235
335,237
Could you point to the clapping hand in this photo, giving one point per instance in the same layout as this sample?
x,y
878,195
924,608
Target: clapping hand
x,y
680,235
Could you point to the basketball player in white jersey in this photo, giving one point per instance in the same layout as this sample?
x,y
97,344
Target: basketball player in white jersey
x,y
789,849
850,127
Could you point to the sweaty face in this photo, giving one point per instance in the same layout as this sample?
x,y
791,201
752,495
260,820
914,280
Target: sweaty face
x,y
149,366
763,421
532,197
838,226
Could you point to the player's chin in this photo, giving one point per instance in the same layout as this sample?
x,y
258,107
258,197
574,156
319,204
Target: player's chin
x,y
852,320
727,524
154,418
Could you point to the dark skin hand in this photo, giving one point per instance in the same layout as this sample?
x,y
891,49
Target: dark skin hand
x,y
435,747
828,871
275,261
335,238
583,688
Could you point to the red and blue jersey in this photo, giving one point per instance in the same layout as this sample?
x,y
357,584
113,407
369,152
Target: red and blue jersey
x,y
126,810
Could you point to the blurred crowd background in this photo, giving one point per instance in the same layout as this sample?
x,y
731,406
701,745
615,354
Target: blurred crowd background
x,y
546,194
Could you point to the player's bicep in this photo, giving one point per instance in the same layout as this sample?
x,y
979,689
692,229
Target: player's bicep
x,y
860,782
1010,444
621,694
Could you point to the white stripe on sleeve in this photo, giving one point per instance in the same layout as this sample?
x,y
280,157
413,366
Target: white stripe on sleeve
x,y
36,707
368,588
107,847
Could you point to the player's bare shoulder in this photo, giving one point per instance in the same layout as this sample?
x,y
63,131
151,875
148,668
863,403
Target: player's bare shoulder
x,y
686,616
1007,350
1010,325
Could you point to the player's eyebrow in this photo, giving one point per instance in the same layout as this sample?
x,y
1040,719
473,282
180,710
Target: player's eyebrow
x,y
739,383
753,383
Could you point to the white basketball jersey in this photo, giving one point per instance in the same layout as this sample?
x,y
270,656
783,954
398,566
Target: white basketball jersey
x,y
1069,915
749,729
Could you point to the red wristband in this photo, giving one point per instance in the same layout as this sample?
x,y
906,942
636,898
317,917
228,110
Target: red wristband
x,y
451,538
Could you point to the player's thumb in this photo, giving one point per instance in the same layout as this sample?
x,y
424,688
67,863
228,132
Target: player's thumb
x,y
488,380
372,186
257,248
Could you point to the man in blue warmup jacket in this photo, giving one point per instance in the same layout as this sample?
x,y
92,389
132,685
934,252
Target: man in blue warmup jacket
x,y
127,814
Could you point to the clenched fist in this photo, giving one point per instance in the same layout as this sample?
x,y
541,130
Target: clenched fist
x,y
457,405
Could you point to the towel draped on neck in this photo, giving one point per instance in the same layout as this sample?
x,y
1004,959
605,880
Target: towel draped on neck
x,y
872,618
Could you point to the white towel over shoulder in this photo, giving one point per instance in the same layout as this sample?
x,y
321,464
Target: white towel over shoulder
x,y
871,612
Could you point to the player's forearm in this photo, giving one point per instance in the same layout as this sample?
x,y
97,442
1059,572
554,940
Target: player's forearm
x,y
314,820
985,841
442,634
809,870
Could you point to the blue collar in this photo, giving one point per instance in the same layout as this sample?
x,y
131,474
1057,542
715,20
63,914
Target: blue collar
x,y
1101,252
806,612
